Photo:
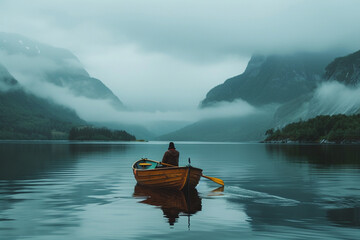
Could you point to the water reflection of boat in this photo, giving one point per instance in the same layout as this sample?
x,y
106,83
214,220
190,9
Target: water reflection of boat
x,y
172,202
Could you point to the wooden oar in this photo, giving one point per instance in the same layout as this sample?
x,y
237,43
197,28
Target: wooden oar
x,y
166,164
216,180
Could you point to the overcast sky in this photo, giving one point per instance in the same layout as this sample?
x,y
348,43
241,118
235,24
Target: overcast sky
x,y
165,55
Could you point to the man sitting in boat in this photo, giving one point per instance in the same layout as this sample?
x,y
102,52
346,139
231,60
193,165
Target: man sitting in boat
x,y
171,156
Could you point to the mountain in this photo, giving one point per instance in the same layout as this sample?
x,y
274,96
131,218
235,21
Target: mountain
x,y
53,65
247,128
273,79
284,88
338,93
25,116
345,69
7,81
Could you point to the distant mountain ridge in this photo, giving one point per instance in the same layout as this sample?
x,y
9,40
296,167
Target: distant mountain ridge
x,y
337,93
56,66
27,70
300,86
345,69
273,79
25,116
249,128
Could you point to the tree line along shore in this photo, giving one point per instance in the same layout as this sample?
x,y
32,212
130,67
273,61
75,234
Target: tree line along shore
x,y
101,134
321,129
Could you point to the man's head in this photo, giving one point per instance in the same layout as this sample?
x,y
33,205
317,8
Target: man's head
x,y
171,145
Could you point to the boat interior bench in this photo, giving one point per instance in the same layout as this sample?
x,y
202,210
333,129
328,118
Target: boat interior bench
x,y
146,165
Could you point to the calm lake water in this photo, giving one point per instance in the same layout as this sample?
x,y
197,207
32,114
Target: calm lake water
x,y
62,190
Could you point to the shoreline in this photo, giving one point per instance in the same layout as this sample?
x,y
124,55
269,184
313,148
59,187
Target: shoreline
x,y
321,142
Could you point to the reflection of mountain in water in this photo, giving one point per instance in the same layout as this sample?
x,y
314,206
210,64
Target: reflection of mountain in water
x,y
287,195
81,149
43,185
29,160
348,217
172,202
317,154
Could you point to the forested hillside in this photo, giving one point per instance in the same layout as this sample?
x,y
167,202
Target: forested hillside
x,y
25,116
338,128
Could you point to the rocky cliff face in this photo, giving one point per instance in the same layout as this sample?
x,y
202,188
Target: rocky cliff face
x,y
345,69
272,79
57,66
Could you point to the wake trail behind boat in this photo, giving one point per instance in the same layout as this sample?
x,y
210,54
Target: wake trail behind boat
x,y
245,195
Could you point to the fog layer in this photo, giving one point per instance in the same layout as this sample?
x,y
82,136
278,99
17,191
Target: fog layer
x,y
173,52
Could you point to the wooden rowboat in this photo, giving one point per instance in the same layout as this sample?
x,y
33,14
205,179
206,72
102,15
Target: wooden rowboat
x,y
151,173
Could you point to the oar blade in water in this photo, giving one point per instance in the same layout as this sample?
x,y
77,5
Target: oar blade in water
x,y
217,180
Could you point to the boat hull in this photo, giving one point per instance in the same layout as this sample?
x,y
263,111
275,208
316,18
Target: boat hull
x,y
167,177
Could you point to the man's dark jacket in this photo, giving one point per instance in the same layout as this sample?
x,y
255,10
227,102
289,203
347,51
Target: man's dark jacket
x,y
171,156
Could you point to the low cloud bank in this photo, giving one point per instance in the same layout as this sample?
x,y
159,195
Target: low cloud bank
x,y
336,98
31,71
159,122
329,98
